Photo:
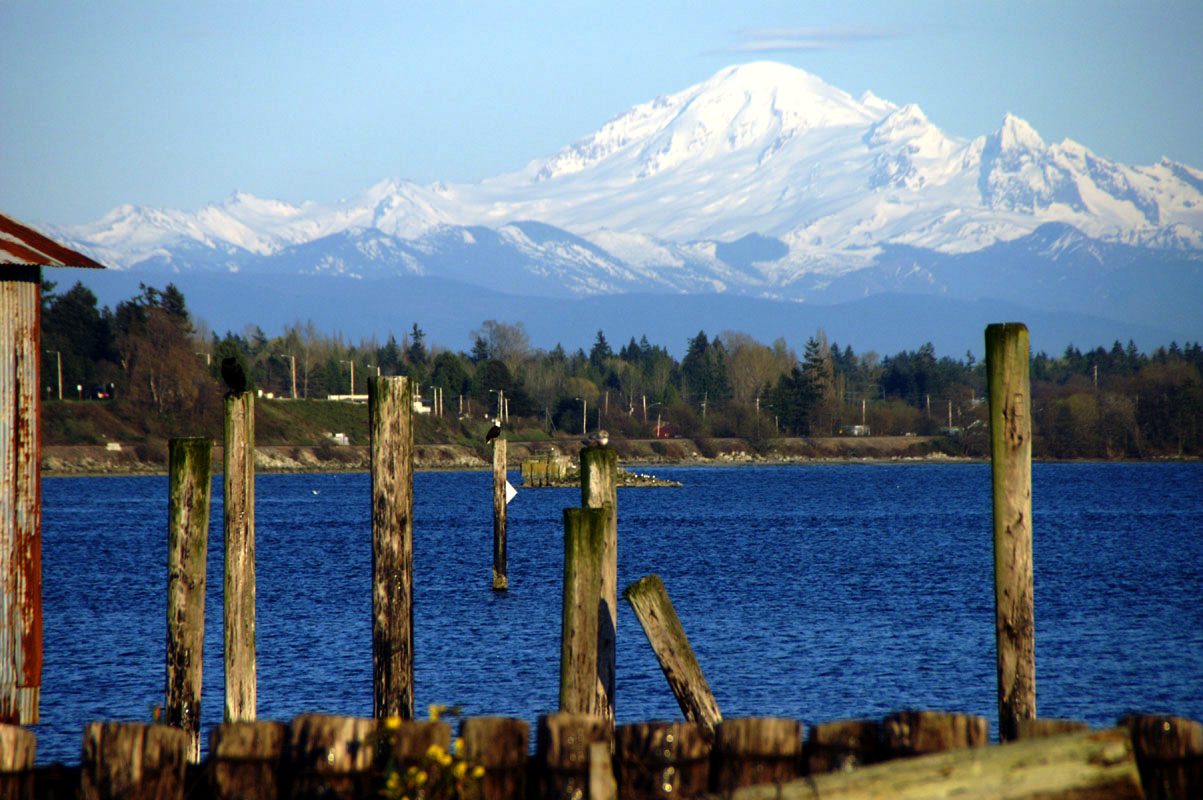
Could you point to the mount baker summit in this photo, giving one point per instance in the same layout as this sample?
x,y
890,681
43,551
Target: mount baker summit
x,y
762,181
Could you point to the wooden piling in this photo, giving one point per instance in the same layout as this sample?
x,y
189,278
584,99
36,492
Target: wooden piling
x,y
843,745
244,760
390,412
330,757
239,596
584,540
1011,477
918,733
599,489
18,749
190,461
1169,753
662,760
500,579
1095,764
1044,727
656,615
755,750
499,744
562,753
133,761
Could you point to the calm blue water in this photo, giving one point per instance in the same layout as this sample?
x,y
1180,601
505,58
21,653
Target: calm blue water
x,y
816,592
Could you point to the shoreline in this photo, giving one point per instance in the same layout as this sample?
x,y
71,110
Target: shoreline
x,y
99,461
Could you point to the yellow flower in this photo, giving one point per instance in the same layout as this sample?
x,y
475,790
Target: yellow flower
x,y
445,760
394,782
393,723
434,752
457,746
478,772
460,768
436,711
420,778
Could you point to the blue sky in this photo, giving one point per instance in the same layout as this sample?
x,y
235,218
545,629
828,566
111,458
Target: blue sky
x,y
176,104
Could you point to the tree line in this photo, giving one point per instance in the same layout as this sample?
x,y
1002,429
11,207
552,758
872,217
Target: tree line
x,y
149,355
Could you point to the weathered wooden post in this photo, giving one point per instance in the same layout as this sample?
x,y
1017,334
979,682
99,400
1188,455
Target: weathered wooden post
x,y
23,253
662,759
18,748
843,745
190,461
599,489
245,760
1169,753
754,750
562,753
239,513
658,618
130,759
919,733
1011,478
390,412
499,744
584,538
330,757
500,580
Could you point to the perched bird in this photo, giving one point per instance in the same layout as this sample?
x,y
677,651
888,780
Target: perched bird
x,y
232,374
597,439
494,432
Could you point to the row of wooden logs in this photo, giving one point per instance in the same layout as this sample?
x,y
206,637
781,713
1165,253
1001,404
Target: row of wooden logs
x,y
910,753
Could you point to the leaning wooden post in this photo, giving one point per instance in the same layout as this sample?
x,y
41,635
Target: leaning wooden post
x,y
584,537
190,461
390,412
500,581
1011,474
599,489
239,513
655,612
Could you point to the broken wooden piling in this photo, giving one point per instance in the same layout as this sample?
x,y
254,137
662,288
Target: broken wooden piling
x,y
599,489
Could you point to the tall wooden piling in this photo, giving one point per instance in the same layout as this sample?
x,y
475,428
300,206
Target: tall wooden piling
x,y
500,579
1011,477
190,462
239,595
390,412
584,538
599,489
655,612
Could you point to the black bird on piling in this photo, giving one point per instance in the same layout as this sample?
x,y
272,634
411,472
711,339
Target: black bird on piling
x,y
494,432
232,374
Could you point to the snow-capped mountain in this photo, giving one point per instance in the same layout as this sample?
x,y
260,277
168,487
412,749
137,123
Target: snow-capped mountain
x,y
762,180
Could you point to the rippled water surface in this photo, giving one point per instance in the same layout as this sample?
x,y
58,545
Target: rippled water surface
x,y
817,592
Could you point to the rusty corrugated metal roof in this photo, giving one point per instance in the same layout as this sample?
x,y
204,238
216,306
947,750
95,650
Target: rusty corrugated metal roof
x,y
22,245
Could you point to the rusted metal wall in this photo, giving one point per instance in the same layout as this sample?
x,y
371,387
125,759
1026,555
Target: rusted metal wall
x,y
20,496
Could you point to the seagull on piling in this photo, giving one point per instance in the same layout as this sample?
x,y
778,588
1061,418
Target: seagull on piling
x,y
232,374
494,432
597,439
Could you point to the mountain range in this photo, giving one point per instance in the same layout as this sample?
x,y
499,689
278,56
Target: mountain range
x,y
761,183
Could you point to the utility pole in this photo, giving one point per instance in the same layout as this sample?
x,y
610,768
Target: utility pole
x,y
59,356
292,370
352,363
